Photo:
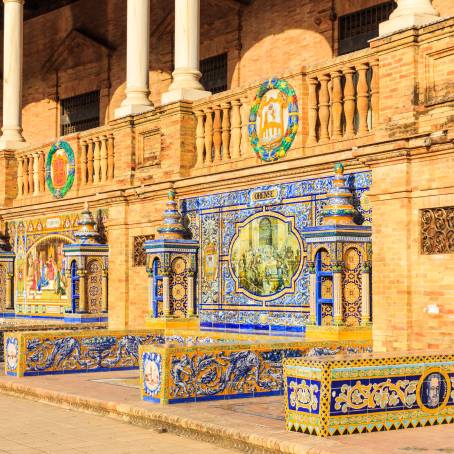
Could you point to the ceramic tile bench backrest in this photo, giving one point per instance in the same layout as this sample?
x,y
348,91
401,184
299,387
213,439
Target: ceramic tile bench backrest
x,y
189,373
88,350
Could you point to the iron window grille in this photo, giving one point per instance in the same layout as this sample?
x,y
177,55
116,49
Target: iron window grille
x,y
214,73
79,113
356,29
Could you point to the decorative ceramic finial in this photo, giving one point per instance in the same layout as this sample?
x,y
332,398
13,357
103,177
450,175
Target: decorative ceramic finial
x,y
339,209
87,232
172,226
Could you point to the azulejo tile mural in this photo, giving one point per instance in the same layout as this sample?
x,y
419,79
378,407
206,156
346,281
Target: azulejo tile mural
x,y
253,271
41,286
219,369
40,353
335,396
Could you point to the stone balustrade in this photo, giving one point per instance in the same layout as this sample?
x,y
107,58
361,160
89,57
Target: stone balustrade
x,y
222,129
97,155
31,173
342,100
94,156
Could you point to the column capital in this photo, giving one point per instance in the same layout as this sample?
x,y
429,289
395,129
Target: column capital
x,y
14,1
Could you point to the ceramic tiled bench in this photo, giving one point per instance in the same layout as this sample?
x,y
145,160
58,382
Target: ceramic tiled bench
x,y
368,393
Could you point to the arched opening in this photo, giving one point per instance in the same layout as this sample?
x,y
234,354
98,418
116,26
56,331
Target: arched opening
x,y
157,289
74,287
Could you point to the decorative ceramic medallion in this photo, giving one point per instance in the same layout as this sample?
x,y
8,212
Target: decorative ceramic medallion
x,y
351,259
151,372
178,292
433,391
12,353
266,256
179,265
60,169
273,119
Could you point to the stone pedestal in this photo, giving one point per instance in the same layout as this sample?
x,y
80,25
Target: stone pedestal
x,y
171,267
409,13
87,266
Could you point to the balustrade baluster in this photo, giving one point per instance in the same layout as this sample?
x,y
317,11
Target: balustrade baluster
x,y
324,107
246,149
217,137
96,160
349,102
336,104
103,159
83,162
20,177
90,161
226,131
313,111
208,135
200,138
42,172
235,138
35,173
31,188
362,97
25,167
110,157
374,89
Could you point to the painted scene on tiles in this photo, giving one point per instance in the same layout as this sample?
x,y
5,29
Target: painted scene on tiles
x,y
265,256
253,260
41,285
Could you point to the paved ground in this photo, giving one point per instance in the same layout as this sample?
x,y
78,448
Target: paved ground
x,y
28,427
257,422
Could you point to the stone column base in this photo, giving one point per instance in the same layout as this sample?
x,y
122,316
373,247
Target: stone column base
x,y
183,94
407,21
132,109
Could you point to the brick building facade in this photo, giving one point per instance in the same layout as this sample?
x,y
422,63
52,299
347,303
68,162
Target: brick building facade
x,y
384,110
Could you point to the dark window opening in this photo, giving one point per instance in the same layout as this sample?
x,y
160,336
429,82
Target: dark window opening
x,y
79,113
214,73
356,29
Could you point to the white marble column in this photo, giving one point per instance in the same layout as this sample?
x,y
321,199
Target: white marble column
x,y
137,60
409,13
186,76
12,74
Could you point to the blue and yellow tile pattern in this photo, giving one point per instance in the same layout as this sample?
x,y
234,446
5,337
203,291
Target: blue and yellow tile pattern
x,y
368,393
